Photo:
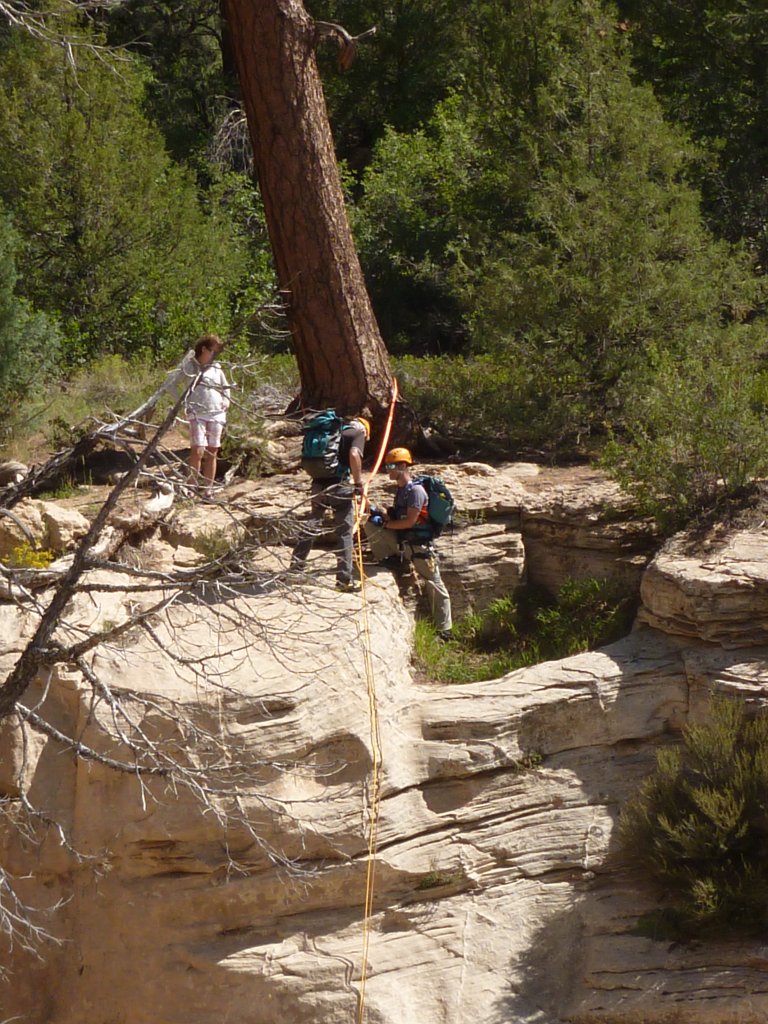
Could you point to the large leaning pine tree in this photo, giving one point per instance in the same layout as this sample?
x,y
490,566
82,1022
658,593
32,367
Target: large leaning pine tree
x,y
341,356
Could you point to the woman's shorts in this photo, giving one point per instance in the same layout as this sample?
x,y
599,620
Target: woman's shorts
x,y
205,433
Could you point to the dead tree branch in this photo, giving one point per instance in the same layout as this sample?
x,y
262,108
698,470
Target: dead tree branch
x,y
347,44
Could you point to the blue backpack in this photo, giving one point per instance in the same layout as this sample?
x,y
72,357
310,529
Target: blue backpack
x,y
440,507
321,444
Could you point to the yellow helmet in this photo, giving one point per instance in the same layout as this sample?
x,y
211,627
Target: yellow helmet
x,y
366,426
398,455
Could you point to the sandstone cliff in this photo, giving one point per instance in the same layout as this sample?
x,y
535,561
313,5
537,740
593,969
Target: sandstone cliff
x,y
499,895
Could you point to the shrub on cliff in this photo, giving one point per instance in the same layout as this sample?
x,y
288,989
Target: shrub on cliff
x,y
699,825
694,428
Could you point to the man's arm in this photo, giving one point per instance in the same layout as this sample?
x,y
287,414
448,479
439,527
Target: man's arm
x,y
410,519
356,466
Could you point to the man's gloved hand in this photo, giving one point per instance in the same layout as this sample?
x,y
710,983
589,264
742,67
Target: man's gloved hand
x,y
358,489
377,519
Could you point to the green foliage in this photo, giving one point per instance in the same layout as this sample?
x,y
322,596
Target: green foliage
x,y
410,226
66,489
521,199
416,56
545,215
588,613
245,445
711,78
59,409
181,47
699,825
265,383
526,628
216,543
490,400
117,242
614,261
113,384
695,430
456,661
435,878
29,342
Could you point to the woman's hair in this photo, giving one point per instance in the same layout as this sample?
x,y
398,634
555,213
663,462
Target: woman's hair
x,y
207,341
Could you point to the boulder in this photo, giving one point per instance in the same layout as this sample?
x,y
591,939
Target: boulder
x,y
23,524
717,592
64,527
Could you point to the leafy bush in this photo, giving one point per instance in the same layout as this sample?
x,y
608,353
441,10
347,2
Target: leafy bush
x,y
118,244
588,613
526,628
29,342
217,542
699,825
492,401
695,431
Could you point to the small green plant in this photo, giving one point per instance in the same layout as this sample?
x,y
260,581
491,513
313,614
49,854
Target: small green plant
x,y
215,543
588,613
456,661
436,877
699,827
122,639
530,762
26,556
246,447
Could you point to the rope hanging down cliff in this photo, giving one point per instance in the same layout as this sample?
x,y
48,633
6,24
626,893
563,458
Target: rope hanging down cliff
x,y
375,794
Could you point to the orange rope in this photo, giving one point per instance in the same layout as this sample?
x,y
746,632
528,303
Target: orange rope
x,y
375,795
385,438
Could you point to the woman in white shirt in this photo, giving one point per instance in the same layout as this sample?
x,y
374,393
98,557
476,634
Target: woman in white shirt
x,y
206,406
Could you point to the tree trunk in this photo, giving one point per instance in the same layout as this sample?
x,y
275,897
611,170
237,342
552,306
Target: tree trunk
x,y
342,359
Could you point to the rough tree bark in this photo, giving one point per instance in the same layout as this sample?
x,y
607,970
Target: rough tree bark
x,y
341,356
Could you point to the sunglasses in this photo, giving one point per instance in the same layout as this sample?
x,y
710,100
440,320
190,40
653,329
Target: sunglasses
x,y
390,466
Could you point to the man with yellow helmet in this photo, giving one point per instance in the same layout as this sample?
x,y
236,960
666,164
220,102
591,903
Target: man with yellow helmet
x,y
403,532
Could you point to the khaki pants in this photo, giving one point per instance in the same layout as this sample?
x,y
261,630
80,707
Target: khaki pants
x,y
385,543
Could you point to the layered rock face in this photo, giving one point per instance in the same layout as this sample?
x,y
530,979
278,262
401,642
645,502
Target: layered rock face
x,y
499,893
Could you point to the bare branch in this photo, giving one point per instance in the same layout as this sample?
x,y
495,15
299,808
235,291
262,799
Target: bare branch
x,y
51,26
177,744
347,44
35,653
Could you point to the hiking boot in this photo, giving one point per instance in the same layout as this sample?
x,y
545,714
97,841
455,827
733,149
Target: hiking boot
x,y
445,635
348,586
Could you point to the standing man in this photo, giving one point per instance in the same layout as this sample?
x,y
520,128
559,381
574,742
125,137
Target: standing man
x,y
404,531
206,406
338,493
